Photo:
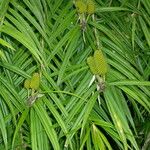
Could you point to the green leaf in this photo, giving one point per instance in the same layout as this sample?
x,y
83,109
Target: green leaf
x,y
4,43
3,129
47,125
19,124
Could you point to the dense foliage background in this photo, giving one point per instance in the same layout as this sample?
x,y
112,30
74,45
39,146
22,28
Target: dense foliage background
x,y
67,112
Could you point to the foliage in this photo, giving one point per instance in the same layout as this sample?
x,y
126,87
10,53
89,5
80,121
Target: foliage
x,y
68,110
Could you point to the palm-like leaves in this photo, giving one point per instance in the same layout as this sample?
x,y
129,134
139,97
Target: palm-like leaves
x,y
44,36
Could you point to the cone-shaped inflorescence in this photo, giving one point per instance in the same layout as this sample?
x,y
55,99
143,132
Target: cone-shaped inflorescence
x,y
90,7
27,83
85,6
81,6
33,83
91,63
97,63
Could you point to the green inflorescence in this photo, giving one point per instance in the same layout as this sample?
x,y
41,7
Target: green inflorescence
x,y
27,83
34,83
97,63
85,7
91,63
81,7
90,7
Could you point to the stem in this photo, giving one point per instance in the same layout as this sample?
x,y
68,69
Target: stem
x,y
32,92
96,35
99,79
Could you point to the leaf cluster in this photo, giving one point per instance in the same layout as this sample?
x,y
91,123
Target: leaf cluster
x,y
45,36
